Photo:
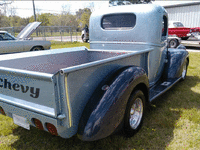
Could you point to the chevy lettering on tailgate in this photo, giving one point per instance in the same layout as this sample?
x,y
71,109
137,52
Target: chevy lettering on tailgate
x,y
34,92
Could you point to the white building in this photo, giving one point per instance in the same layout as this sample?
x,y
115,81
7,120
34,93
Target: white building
x,y
187,13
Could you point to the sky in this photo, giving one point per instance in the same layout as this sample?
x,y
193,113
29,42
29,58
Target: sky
x,y
24,8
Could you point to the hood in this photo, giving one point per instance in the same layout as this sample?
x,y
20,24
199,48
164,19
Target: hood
x,y
28,30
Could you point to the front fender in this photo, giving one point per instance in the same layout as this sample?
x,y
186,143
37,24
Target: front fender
x,y
105,110
176,58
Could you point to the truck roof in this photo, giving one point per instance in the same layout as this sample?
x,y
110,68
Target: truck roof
x,y
129,8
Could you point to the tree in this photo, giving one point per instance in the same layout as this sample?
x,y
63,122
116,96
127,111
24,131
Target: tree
x,y
4,21
83,16
91,6
84,20
79,13
44,18
65,9
14,21
54,20
4,5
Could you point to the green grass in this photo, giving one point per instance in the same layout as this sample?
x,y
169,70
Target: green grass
x,y
56,44
171,123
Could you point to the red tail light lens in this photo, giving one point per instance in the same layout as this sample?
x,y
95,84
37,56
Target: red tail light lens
x,y
2,111
52,129
38,124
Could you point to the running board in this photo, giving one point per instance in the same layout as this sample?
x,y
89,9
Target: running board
x,y
161,88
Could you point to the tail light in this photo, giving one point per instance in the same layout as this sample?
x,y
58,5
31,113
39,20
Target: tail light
x,y
52,129
38,124
2,111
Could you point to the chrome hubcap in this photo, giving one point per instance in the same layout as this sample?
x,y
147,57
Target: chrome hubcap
x,y
184,71
136,113
172,44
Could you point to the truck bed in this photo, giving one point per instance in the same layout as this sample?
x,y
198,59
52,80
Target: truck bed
x,y
47,62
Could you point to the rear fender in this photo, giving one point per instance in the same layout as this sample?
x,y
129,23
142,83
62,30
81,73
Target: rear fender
x,y
105,109
176,58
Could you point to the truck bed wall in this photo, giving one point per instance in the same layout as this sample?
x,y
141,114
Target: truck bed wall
x,y
54,62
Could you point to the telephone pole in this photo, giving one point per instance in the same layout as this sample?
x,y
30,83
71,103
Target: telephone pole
x,y
34,10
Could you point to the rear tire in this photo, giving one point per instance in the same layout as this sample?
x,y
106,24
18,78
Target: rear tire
x,y
173,43
134,113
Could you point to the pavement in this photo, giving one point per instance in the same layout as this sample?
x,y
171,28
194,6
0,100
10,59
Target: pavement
x,y
191,43
193,50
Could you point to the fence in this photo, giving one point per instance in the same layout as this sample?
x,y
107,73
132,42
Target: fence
x,y
50,33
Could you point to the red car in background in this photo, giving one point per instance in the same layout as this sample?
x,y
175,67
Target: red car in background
x,y
176,28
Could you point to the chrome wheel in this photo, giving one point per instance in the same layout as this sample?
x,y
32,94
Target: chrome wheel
x,y
173,44
136,113
184,71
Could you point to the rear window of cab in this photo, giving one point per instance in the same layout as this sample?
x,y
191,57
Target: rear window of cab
x,y
124,21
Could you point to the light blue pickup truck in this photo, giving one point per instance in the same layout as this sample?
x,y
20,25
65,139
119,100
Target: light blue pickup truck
x,y
94,92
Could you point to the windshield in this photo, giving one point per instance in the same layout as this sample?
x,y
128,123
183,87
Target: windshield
x,y
178,24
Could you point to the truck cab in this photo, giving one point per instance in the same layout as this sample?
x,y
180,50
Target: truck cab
x,y
127,28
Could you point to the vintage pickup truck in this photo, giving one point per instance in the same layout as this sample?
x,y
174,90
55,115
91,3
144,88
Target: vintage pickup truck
x,y
94,92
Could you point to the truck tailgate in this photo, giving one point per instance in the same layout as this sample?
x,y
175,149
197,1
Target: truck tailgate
x,y
29,90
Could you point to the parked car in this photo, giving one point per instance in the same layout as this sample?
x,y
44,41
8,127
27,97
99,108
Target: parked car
x,y
178,29
10,44
85,34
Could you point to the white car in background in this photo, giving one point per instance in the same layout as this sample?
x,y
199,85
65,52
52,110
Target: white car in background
x,y
10,44
85,34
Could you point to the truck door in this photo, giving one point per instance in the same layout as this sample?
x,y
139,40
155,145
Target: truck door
x,y
163,50
158,56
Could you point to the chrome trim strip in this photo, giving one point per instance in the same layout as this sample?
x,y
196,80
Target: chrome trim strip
x,y
68,103
116,42
26,73
28,105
